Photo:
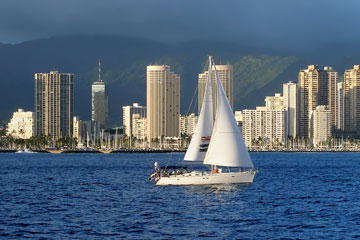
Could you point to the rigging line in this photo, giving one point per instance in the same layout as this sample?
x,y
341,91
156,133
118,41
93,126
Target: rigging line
x,y
195,105
167,164
187,113
196,90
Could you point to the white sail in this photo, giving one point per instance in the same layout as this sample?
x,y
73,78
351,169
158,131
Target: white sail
x,y
204,126
227,147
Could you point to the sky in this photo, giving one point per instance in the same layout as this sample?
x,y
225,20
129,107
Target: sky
x,y
268,22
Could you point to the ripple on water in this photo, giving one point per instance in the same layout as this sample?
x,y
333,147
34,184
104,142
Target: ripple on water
x,y
294,196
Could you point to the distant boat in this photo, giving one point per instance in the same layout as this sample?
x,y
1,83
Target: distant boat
x,y
26,150
216,143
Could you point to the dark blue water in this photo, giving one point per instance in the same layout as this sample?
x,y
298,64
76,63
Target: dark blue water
x,y
294,196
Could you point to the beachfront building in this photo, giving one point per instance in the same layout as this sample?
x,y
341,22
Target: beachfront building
x,y
54,104
290,90
332,79
339,120
352,100
21,125
163,102
275,102
187,124
264,127
320,119
139,126
128,117
312,91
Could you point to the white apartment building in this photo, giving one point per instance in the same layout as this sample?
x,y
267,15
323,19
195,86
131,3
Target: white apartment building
x,y
339,119
239,118
290,90
320,119
128,114
264,124
139,126
21,125
76,128
274,102
187,124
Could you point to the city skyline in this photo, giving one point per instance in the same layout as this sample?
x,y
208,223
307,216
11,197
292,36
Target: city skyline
x,y
254,75
163,85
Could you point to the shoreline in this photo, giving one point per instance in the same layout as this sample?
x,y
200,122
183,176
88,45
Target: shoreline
x,y
170,151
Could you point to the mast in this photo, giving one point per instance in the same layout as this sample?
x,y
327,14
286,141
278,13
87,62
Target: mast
x,y
227,147
204,125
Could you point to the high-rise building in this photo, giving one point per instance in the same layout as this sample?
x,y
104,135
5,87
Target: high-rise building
x,y
54,104
274,102
99,101
265,125
239,118
225,73
352,100
332,81
163,102
339,120
128,112
313,91
290,104
77,128
188,124
320,125
139,126
21,125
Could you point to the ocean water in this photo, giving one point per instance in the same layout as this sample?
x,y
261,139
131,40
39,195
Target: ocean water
x,y
108,196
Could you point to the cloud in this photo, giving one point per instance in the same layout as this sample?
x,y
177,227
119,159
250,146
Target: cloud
x,y
267,22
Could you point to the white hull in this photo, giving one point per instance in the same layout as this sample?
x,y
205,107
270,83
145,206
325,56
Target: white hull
x,y
198,178
26,151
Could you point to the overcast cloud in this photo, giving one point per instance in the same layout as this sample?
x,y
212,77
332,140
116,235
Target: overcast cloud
x,y
286,22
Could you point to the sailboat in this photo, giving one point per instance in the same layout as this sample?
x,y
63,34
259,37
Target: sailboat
x,y
216,143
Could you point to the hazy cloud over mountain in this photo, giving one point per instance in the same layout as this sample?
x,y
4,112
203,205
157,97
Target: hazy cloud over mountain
x,y
267,22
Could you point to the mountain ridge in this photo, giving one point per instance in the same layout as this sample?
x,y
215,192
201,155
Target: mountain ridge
x,y
257,71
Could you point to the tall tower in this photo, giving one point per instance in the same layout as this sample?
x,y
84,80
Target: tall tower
x,y
313,91
332,81
54,104
339,121
99,101
225,73
163,102
352,100
290,104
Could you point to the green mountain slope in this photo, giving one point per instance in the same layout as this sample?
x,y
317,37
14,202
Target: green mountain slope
x,y
124,62
260,73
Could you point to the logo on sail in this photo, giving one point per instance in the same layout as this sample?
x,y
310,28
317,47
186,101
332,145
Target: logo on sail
x,y
205,139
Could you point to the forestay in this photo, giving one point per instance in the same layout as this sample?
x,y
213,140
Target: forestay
x,y
204,126
227,147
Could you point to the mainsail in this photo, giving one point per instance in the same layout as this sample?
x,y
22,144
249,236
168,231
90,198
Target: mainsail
x,y
227,147
204,125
